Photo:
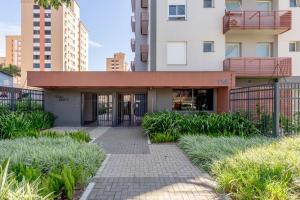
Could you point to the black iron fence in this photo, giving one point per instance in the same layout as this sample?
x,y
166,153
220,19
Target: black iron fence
x,y
274,108
17,99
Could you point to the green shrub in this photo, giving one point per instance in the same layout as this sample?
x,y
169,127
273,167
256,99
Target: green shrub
x,y
61,163
249,168
79,136
21,124
10,188
201,123
163,138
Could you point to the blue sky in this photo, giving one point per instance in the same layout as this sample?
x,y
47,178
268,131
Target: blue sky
x,y
108,22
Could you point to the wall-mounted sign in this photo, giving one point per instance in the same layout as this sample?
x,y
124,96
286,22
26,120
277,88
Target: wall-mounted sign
x,y
61,98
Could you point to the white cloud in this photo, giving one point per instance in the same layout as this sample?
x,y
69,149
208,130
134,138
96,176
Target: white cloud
x,y
95,44
7,29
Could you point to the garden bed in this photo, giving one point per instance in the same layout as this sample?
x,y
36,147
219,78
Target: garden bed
x,y
249,168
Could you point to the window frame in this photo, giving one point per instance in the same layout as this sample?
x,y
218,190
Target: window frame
x,y
232,2
177,17
212,4
264,1
212,46
297,5
270,49
239,49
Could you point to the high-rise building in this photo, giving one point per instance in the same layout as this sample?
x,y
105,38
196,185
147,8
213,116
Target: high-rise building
x,y
53,40
258,40
117,63
13,50
2,61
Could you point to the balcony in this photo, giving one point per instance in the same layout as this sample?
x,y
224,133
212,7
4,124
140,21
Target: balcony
x,y
133,23
133,45
273,22
144,23
144,3
132,66
259,67
144,52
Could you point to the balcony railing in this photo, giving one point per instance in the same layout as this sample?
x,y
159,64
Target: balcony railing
x,y
144,23
133,45
281,21
259,67
133,23
144,52
144,3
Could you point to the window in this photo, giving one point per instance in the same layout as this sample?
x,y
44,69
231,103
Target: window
x,y
36,40
48,65
208,3
47,15
47,32
294,3
47,40
36,57
263,50
208,46
47,23
233,6
233,50
263,5
47,48
36,7
193,99
36,32
292,46
177,12
36,48
36,23
176,54
36,65
47,57
36,15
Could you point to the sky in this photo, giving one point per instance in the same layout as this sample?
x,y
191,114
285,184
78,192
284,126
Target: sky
x,y
108,23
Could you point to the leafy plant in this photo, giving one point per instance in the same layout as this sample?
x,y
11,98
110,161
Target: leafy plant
x,y
79,136
163,138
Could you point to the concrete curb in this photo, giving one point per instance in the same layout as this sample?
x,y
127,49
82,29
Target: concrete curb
x,y
148,140
91,185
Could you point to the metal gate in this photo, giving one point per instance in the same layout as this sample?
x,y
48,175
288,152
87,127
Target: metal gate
x,y
105,110
131,109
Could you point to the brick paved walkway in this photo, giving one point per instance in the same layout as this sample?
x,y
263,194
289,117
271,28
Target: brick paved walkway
x,y
136,170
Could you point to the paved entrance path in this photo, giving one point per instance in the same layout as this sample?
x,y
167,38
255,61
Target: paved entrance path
x,y
136,170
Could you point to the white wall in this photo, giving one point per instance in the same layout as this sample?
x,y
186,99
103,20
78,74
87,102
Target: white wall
x,y
292,35
202,24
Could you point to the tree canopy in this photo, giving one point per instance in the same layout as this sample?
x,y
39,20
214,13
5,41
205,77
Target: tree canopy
x,y
53,3
11,70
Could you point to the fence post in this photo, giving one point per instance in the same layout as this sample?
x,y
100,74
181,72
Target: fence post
x,y
276,117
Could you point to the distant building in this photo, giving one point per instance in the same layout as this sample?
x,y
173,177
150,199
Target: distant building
x,y
6,80
117,63
2,60
53,40
13,50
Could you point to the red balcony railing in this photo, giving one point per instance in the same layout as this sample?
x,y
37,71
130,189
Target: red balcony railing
x,y
144,52
259,67
144,3
133,45
144,23
133,23
244,20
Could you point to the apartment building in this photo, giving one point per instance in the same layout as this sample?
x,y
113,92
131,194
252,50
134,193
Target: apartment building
x,y
53,40
189,54
117,63
2,61
13,50
256,39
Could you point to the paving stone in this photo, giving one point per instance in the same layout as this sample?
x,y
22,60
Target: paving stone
x,y
138,171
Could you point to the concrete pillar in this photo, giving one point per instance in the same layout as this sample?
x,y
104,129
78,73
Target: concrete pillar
x,y
223,100
152,101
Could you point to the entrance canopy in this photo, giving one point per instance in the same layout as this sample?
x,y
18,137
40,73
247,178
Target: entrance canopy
x,y
130,79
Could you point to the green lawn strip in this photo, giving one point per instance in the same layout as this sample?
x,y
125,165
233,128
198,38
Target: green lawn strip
x,y
249,168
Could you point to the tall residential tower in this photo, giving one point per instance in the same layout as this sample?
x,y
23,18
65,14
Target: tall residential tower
x,y
53,40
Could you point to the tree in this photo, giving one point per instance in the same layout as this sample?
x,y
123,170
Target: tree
x,y
12,70
53,3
